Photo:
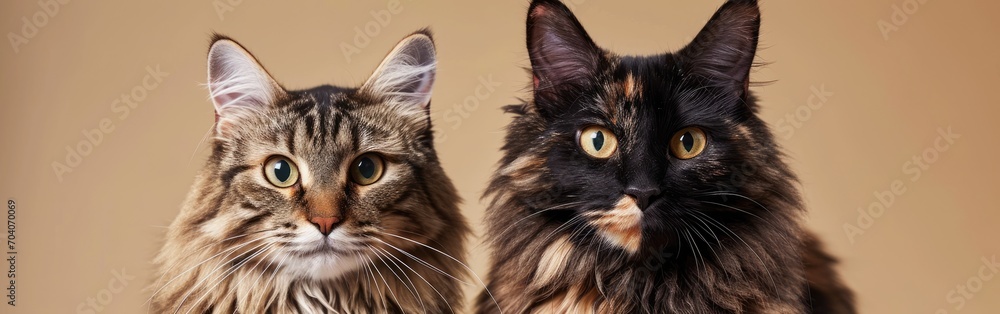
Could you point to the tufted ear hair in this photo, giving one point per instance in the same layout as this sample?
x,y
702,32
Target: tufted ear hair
x,y
237,83
724,50
406,75
563,56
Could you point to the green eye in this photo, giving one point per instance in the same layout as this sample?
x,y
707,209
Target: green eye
x,y
688,143
281,171
367,169
598,142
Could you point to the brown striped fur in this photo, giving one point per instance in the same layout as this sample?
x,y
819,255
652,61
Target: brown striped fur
x,y
242,245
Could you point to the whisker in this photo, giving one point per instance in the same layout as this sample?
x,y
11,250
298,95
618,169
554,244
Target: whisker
x,y
393,259
736,195
733,208
694,248
232,269
561,226
387,287
262,273
268,282
413,291
259,261
485,288
207,276
697,231
727,229
421,278
557,207
740,210
421,261
702,225
357,280
412,233
371,277
150,300
178,276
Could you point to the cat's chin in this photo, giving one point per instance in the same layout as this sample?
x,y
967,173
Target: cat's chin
x,y
319,265
318,257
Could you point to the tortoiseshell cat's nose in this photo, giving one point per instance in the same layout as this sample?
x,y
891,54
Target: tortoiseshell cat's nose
x,y
642,195
325,224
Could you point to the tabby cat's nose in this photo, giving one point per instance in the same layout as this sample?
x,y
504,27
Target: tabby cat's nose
x,y
642,195
325,224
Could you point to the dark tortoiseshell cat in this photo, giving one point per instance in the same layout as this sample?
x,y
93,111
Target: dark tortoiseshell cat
x,y
325,200
648,184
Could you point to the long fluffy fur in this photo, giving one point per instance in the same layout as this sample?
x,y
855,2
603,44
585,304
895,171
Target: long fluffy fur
x,y
723,235
240,245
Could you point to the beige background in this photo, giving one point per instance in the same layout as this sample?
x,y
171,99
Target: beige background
x,y
889,98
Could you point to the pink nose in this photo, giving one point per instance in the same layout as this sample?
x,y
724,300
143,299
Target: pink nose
x,y
325,224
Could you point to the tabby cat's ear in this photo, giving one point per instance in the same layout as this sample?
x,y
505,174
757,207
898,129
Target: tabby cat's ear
x,y
238,84
563,56
406,76
724,50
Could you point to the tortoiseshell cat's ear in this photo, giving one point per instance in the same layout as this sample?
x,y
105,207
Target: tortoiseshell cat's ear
x,y
405,77
563,57
237,83
724,50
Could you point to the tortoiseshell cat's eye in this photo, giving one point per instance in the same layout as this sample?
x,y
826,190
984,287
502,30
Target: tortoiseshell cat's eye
x,y
281,171
598,142
367,169
688,143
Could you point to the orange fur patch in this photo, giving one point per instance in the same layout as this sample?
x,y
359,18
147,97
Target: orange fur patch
x,y
629,85
620,226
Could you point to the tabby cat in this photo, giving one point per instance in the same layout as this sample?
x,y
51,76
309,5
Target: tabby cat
x,y
324,200
648,184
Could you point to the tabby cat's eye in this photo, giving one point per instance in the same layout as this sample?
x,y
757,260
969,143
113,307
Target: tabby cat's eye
x,y
281,171
367,169
598,142
688,143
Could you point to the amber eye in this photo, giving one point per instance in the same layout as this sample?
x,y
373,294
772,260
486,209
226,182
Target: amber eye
x,y
598,142
281,171
367,169
688,143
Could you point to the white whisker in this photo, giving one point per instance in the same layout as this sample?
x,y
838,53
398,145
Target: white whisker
x,y
150,300
232,269
413,291
724,228
485,288
259,261
422,278
206,277
421,261
268,282
371,277
392,294
557,207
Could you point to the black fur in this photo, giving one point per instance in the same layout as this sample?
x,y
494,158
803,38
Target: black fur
x,y
721,232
